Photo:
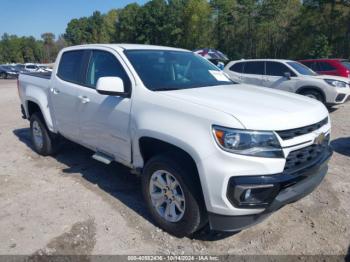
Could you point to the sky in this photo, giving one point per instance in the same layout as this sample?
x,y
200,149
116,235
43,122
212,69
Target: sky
x,y
34,17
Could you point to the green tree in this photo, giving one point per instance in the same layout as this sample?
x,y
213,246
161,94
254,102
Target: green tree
x,y
49,47
129,24
197,24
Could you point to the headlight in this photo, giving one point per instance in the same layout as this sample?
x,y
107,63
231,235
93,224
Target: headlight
x,y
247,142
336,83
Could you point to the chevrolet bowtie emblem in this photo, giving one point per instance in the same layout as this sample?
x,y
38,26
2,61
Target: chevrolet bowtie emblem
x,y
319,139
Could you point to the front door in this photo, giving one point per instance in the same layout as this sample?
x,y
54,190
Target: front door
x,y
104,120
275,76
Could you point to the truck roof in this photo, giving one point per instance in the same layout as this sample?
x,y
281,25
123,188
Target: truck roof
x,y
127,47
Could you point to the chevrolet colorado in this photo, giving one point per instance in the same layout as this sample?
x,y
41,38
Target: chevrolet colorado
x,y
208,150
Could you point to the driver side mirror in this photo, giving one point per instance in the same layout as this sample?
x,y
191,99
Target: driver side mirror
x,y
111,86
287,75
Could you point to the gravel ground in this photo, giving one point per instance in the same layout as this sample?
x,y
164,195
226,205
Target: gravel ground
x,y
71,204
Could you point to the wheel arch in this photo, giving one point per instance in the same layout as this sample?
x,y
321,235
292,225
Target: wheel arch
x,y
151,146
32,106
302,89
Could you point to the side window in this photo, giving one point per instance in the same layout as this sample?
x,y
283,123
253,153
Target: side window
x,y
324,66
70,66
237,67
277,69
103,64
254,68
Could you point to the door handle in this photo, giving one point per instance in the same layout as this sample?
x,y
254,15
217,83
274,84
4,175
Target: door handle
x,y
55,91
84,99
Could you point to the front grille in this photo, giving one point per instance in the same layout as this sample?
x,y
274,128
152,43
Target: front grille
x,y
291,133
306,156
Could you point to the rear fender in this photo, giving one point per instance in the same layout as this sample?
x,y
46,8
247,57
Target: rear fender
x,y
40,97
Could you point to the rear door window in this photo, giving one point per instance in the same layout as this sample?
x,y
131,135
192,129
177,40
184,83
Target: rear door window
x,y
254,68
237,67
71,65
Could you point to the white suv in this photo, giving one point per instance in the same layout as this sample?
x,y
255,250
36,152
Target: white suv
x,y
290,76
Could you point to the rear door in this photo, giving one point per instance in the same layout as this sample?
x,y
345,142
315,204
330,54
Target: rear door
x,y
104,120
253,72
275,76
64,93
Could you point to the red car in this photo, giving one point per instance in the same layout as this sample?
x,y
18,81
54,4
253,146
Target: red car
x,y
337,67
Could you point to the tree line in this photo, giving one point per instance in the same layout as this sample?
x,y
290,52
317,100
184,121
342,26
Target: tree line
x,y
291,29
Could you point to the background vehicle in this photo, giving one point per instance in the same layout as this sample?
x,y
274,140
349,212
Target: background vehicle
x,y
290,76
336,67
208,150
45,68
34,68
8,72
20,68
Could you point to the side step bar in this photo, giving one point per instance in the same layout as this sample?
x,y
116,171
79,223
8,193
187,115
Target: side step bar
x,y
102,158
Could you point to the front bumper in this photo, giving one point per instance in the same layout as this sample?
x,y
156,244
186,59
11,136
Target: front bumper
x,y
340,96
296,186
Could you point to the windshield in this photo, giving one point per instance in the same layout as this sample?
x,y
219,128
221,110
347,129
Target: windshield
x,y
346,63
302,69
175,70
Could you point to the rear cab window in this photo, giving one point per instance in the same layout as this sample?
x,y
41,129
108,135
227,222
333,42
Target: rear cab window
x,y
71,66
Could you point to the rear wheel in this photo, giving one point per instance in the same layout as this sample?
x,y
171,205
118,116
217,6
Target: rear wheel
x,y
172,196
314,94
43,141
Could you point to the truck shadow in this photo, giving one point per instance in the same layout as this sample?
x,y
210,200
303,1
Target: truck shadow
x,y
113,179
341,145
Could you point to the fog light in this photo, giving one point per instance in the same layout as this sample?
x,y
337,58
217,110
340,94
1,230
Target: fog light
x,y
247,194
254,195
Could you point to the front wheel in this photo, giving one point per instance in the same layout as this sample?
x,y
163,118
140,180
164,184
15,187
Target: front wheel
x,y
172,196
313,94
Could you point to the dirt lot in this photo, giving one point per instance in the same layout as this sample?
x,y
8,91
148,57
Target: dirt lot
x,y
71,204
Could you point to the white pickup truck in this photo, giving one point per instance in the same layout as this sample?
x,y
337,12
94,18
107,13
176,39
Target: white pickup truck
x,y
208,150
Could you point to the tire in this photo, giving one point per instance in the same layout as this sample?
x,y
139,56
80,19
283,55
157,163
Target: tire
x,y
3,75
43,141
314,94
194,215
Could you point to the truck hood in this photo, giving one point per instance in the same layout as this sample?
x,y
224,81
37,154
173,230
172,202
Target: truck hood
x,y
257,108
